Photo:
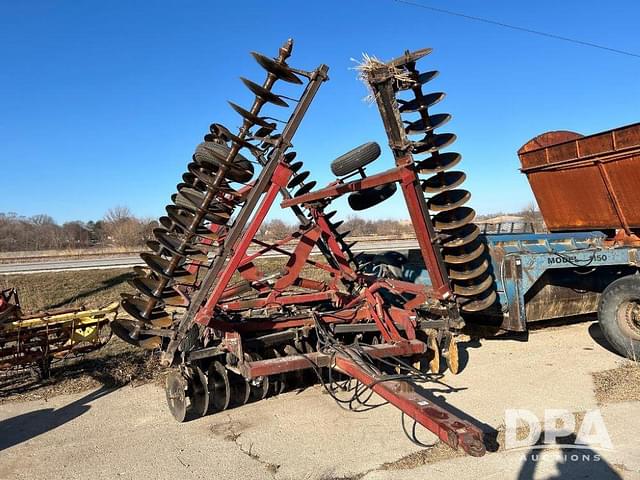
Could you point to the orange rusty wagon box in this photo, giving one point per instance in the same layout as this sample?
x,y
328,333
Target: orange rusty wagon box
x,y
586,182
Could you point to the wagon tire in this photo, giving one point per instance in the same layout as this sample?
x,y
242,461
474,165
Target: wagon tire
x,y
619,315
355,159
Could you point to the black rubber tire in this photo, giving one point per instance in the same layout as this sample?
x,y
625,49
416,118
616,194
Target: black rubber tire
x,y
618,325
355,159
371,197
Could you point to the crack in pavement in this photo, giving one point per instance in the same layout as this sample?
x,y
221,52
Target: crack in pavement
x,y
230,433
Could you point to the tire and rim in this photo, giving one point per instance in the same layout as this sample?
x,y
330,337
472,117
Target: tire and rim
x,y
355,159
619,315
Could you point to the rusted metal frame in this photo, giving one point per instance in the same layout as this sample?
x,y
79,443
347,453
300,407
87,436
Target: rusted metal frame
x,y
339,189
272,366
385,324
275,324
333,244
317,77
571,163
302,298
279,179
268,247
403,318
298,259
452,430
614,198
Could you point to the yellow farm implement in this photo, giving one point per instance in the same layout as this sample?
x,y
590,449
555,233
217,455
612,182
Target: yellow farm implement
x,y
34,340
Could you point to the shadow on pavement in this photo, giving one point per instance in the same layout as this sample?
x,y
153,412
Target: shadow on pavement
x,y
570,463
22,428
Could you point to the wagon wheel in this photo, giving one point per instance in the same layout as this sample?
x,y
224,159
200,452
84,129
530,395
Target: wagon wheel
x,y
451,354
434,351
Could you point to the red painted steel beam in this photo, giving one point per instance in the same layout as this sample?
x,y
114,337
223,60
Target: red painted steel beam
x,y
272,366
450,429
339,189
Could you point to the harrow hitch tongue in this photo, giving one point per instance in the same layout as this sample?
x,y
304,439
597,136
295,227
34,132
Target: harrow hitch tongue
x,y
355,323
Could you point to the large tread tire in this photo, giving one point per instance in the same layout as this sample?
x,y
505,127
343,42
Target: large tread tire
x,y
621,325
371,197
355,159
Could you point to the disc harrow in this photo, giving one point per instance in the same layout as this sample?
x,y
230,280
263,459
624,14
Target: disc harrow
x,y
236,333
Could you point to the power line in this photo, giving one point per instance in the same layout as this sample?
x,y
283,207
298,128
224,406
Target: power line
x,y
515,27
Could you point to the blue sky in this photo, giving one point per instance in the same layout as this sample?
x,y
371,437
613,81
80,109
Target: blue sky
x,y
102,103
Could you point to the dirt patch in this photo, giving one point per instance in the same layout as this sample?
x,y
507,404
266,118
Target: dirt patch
x,y
115,365
620,384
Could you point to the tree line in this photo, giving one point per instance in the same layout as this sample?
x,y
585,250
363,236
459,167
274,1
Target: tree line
x,y
119,227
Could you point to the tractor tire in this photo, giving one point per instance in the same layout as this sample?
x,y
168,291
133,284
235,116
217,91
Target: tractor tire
x,y
355,159
619,315
371,197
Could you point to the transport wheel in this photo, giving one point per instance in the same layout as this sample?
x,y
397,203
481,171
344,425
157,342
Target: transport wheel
x,y
371,196
355,159
619,315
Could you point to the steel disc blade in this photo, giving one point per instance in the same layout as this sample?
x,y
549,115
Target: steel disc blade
x,y
219,388
474,288
438,162
186,202
175,390
468,272
298,179
263,93
160,265
295,166
474,305
443,181
462,236
453,218
432,143
154,246
424,103
448,200
149,287
247,115
123,329
174,244
280,70
205,176
135,307
466,254
423,126
200,392
306,188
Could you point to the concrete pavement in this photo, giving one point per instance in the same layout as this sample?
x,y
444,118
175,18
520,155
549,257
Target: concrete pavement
x,y
129,434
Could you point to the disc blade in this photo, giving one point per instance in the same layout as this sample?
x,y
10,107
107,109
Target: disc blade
x,y
263,93
280,70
